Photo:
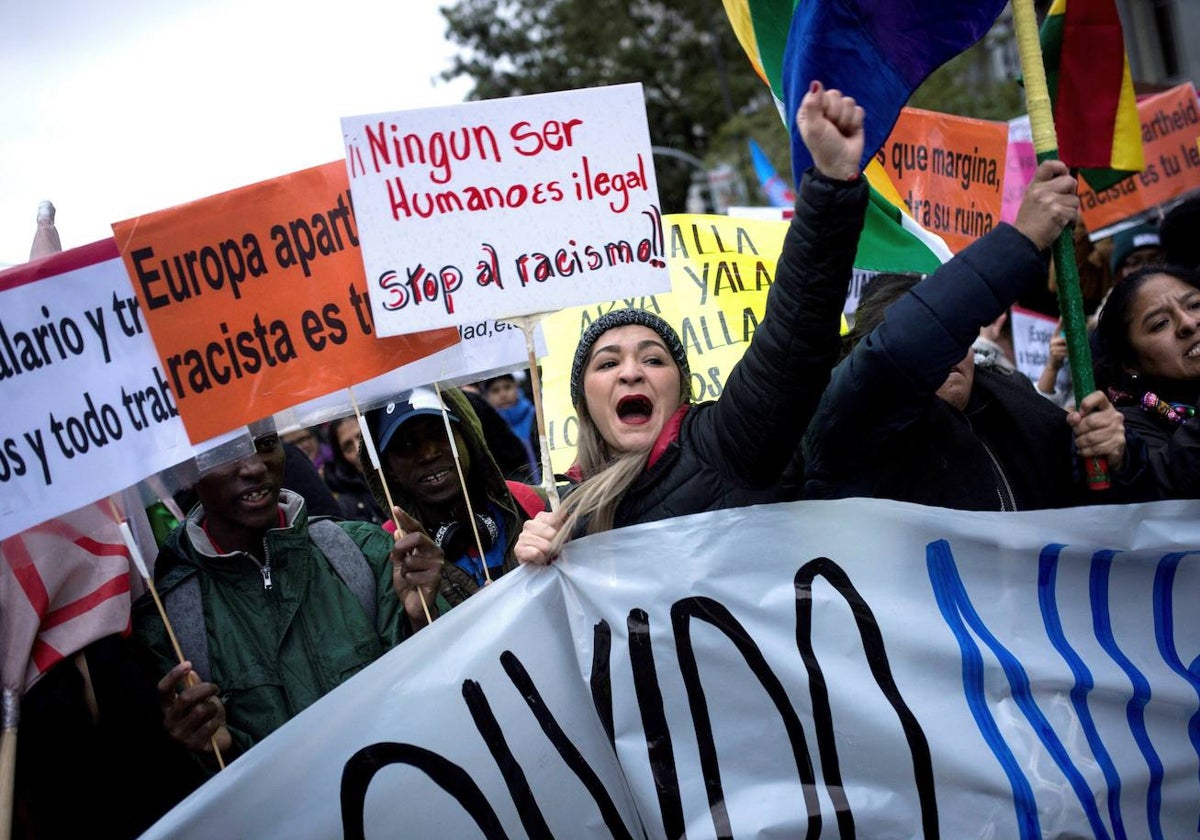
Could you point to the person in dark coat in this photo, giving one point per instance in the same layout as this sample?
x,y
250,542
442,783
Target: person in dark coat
x,y
908,416
344,477
646,452
507,450
1149,337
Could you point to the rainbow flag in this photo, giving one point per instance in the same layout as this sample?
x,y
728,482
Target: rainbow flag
x,y
1091,91
877,51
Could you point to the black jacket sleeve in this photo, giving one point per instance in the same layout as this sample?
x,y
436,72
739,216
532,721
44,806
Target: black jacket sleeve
x,y
758,421
1171,457
885,383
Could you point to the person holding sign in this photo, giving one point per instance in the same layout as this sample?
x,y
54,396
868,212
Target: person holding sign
x,y
909,416
419,464
1149,334
646,452
273,610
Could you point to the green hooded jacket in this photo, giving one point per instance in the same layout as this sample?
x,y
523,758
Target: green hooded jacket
x,y
275,651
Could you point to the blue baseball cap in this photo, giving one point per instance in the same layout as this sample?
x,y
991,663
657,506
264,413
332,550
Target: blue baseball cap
x,y
414,403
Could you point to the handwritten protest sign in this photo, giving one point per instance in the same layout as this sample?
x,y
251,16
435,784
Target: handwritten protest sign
x,y
1170,131
949,171
257,301
721,270
507,207
87,410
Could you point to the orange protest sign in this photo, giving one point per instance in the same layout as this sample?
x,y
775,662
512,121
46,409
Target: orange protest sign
x,y
256,299
949,171
1170,128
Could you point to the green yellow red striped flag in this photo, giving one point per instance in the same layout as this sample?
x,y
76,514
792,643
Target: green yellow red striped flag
x,y
1091,90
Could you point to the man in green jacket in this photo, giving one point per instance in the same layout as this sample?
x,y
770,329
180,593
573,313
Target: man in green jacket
x,y
275,619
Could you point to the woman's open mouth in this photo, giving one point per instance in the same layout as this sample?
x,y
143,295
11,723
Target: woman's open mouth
x,y
635,410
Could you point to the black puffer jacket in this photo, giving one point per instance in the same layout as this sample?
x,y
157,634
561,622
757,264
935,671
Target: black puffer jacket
x,y
1172,449
882,432
735,451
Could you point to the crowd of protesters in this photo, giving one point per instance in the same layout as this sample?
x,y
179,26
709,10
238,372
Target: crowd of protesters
x,y
300,563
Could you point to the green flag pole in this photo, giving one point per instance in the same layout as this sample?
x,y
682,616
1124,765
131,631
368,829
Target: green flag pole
x,y
1045,143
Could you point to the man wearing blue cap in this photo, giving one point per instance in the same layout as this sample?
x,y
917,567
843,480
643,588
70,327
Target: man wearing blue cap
x,y
418,460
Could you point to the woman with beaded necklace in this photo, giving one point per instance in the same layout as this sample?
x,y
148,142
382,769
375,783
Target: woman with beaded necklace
x,y
1149,337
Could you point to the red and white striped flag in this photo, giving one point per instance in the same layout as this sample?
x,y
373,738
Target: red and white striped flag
x,y
63,584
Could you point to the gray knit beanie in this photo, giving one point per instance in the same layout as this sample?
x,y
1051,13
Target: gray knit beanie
x,y
625,318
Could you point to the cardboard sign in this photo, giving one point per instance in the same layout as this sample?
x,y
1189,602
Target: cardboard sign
x,y
949,171
257,301
721,270
1170,133
87,410
507,207
819,669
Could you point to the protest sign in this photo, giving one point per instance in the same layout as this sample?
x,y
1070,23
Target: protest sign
x,y
1170,133
1031,335
949,171
965,675
721,269
87,410
1019,167
485,349
507,207
257,301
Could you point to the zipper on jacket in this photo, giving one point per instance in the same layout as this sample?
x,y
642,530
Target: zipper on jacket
x,y
265,568
1004,490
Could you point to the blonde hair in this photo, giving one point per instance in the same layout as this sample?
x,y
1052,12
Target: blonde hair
x,y
606,480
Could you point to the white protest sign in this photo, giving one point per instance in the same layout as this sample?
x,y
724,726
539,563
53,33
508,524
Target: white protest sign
x,y
505,207
1031,334
777,671
87,411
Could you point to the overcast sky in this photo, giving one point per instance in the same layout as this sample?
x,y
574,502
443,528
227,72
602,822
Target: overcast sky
x,y
114,109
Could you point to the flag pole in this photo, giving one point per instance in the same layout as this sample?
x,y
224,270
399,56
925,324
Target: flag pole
x,y
528,323
139,563
10,710
1045,143
462,482
373,453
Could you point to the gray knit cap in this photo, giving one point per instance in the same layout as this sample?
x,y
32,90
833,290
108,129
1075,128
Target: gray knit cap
x,y
625,318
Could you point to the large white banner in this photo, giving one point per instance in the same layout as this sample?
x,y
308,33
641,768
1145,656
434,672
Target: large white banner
x,y
86,408
834,669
